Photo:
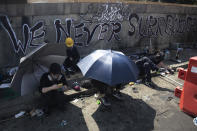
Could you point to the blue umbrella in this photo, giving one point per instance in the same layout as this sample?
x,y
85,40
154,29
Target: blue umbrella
x,y
110,67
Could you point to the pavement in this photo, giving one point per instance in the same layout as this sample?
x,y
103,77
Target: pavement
x,y
142,109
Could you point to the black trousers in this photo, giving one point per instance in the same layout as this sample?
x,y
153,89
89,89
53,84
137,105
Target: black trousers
x,y
71,64
147,70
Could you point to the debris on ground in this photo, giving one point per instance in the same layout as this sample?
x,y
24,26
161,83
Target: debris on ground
x,y
98,102
20,114
36,112
131,83
169,98
75,100
146,98
63,123
135,90
12,71
195,121
96,96
162,113
5,85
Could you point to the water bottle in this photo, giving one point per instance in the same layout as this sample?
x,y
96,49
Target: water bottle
x,y
167,55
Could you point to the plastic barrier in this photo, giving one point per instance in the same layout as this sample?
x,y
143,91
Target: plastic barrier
x,y
188,95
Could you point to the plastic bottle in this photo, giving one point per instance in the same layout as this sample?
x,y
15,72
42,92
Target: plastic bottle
x,y
20,114
167,55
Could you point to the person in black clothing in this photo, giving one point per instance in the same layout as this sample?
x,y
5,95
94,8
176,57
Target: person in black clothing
x,y
145,65
153,62
157,59
72,56
52,86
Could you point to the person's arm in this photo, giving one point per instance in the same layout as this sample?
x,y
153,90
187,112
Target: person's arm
x,y
47,89
153,65
44,87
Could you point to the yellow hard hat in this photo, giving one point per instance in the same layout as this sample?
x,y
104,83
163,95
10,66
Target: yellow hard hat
x,y
69,42
131,83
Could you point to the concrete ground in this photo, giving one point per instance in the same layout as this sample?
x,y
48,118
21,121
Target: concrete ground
x,y
142,109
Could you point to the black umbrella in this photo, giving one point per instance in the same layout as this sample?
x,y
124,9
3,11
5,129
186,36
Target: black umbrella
x,y
110,67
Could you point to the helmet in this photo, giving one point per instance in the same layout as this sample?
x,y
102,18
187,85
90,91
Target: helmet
x,y
69,42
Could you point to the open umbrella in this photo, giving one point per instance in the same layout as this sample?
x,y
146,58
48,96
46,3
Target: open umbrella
x,y
110,67
31,67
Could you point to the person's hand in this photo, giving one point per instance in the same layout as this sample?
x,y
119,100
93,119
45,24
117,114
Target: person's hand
x,y
65,88
60,84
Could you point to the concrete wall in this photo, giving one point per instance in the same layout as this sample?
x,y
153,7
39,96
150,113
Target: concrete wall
x,y
13,1
23,27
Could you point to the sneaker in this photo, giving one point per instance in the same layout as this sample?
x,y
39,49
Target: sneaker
x,y
117,95
139,81
149,84
105,102
179,61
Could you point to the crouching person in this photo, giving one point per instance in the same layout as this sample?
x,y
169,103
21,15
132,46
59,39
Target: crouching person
x,y
52,87
145,65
